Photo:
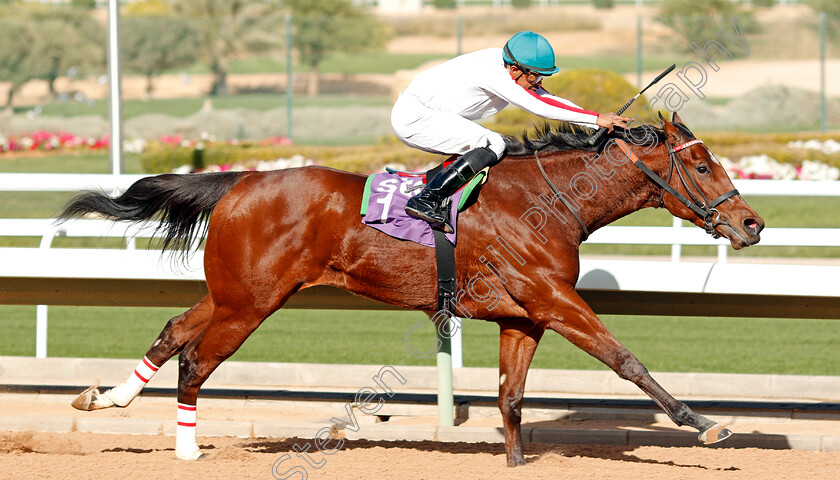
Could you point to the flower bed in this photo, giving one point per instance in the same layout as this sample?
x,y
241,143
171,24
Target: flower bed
x,y
828,147
51,141
179,154
782,157
767,168
764,167
260,166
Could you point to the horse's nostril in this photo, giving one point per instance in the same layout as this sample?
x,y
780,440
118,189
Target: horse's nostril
x,y
752,226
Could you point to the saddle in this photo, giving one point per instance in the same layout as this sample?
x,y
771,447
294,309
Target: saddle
x,y
383,208
470,191
385,196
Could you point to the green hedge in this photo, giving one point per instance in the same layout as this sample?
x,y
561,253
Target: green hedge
x,y
361,159
592,89
365,159
160,159
736,145
444,4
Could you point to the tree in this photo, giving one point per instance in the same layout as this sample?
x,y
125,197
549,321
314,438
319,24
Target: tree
x,y
700,21
16,38
230,29
67,38
322,27
831,8
148,7
153,44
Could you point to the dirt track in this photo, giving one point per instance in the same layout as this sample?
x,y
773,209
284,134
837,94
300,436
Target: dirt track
x,y
85,455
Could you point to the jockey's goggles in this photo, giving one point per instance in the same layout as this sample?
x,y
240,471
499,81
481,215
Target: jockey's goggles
x,y
537,78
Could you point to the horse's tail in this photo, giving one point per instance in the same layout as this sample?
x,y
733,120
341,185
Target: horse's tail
x,y
182,203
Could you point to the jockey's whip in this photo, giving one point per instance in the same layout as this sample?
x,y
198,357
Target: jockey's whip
x,y
600,133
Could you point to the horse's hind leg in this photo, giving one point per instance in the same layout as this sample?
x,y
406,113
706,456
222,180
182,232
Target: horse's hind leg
x,y
579,324
225,333
518,342
175,335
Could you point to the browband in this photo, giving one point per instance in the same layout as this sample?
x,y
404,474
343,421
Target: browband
x,y
687,144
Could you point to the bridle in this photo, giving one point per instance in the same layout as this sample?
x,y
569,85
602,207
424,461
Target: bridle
x,y
701,206
560,197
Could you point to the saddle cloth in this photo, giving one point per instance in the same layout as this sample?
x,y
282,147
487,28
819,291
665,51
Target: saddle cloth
x,y
383,206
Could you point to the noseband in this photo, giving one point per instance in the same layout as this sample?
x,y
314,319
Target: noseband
x,y
701,206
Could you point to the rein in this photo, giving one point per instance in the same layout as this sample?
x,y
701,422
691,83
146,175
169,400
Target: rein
x,y
558,195
700,206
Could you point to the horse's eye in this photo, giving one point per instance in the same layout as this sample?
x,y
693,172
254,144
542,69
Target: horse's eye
x,y
703,170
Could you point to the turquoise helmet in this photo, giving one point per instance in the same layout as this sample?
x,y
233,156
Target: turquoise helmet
x,y
530,51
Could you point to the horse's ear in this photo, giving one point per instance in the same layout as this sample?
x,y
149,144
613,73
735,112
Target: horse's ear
x,y
664,120
673,134
675,118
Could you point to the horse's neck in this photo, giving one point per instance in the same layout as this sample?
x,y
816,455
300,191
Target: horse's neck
x,y
620,190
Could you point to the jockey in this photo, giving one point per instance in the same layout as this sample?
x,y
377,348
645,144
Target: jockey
x,y
436,112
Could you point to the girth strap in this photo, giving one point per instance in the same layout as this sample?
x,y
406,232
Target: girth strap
x,y
445,258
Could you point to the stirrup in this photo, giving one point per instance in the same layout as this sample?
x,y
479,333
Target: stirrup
x,y
444,225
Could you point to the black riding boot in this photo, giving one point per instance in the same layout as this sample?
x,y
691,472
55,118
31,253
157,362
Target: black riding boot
x,y
427,205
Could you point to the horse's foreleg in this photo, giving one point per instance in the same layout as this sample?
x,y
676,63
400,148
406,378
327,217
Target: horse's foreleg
x,y
175,335
579,324
518,342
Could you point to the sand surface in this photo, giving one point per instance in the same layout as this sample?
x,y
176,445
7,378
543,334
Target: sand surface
x,y
85,455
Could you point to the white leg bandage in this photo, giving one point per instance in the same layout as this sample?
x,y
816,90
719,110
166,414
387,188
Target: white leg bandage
x,y
186,447
125,392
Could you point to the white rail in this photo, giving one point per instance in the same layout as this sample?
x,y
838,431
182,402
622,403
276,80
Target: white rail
x,y
65,182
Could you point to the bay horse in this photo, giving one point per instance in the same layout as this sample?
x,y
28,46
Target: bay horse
x,y
271,234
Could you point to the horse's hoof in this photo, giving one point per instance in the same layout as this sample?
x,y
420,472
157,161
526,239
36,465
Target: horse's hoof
x,y
85,399
714,434
192,456
516,461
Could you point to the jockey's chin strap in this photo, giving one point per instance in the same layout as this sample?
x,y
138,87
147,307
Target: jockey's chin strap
x,y
701,206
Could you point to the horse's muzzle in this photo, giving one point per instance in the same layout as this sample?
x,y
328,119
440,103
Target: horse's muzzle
x,y
744,234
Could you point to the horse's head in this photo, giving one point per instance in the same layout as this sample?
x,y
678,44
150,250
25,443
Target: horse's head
x,y
696,174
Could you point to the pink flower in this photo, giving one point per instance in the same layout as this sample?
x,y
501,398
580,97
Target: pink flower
x,y
172,140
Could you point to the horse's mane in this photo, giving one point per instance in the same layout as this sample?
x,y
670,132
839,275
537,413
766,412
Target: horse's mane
x,y
567,136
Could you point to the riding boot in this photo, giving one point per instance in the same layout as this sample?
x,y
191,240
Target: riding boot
x,y
427,205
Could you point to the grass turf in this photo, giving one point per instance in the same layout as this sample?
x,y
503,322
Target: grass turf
x,y
680,344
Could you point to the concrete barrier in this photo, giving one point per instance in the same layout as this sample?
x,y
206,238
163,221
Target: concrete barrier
x,y
349,378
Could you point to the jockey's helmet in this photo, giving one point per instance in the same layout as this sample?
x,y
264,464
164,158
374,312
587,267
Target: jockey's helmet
x,y
530,51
